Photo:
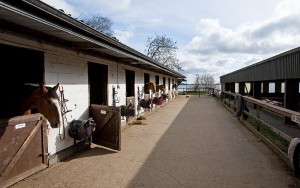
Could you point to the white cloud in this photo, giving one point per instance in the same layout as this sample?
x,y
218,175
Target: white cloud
x,y
112,5
124,36
287,8
219,50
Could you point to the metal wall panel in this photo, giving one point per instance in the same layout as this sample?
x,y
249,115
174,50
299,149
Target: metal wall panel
x,y
282,66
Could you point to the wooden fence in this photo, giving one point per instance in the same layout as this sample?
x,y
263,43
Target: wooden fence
x,y
277,140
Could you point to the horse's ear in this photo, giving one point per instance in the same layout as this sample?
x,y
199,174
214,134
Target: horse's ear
x,y
43,89
55,87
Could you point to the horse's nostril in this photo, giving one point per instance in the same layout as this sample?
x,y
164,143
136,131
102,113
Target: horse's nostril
x,y
56,124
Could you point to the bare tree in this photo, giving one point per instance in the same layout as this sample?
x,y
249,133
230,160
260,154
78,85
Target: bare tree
x,y
204,80
101,23
163,50
197,83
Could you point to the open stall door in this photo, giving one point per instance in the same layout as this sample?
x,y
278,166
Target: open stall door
x,y
107,118
108,126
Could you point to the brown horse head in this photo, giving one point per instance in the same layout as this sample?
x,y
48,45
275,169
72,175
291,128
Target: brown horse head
x,y
160,87
46,101
150,86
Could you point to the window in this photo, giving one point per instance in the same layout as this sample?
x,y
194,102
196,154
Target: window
x,y
236,87
282,87
247,87
271,87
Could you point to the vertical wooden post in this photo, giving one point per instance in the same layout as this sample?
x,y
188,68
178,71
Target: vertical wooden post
x,y
291,97
258,109
256,91
242,88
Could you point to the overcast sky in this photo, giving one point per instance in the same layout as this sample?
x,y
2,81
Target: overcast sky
x,y
213,36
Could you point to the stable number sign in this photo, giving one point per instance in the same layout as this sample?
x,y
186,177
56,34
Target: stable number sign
x,y
295,118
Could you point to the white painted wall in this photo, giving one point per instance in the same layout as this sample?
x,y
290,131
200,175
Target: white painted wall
x,y
70,70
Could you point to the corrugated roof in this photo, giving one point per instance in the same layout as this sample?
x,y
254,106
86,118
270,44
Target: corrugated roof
x,y
282,66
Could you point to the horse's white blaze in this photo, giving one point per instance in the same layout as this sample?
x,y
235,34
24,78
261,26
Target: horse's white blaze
x,y
57,104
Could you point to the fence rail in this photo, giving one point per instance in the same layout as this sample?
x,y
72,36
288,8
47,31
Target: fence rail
x,y
196,88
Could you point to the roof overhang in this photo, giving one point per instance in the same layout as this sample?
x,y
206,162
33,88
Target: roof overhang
x,y
42,22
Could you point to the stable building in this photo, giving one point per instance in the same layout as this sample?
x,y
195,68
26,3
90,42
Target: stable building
x,y
96,74
275,80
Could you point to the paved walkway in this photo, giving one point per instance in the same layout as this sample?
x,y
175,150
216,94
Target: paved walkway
x,y
190,142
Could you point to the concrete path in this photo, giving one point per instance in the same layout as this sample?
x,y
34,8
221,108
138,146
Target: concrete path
x,y
190,142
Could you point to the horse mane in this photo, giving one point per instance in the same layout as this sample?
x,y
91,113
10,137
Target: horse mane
x,y
13,95
34,93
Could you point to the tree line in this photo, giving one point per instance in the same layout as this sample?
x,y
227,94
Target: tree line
x,y
160,47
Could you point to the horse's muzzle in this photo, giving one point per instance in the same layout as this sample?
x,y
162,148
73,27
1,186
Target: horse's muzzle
x,y
54,124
